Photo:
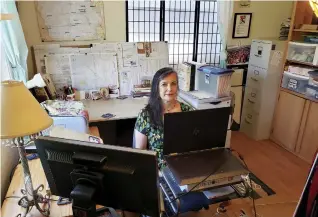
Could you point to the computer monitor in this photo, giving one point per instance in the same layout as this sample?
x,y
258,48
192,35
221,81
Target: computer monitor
x,y
90,174
195,130
308,203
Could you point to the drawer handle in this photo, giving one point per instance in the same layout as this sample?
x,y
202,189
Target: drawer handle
x,y
253,95
256,72
215,103
250,101
254,79
247,122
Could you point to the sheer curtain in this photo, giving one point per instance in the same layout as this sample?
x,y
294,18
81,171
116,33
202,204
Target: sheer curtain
x,y
225,14
14,49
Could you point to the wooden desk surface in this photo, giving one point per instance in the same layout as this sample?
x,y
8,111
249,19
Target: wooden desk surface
x,y
273,206
123,109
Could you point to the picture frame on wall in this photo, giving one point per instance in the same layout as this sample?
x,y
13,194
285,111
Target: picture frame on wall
x,y
242,25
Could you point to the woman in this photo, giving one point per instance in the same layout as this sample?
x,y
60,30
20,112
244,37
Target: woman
x,y
163,99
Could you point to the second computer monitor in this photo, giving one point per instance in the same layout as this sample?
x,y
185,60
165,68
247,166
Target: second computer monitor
x,y
123,178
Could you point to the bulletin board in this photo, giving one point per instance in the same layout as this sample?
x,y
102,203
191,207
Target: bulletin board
x,y
70,20
121,65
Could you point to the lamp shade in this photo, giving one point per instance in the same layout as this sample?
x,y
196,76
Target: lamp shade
x,y
21,114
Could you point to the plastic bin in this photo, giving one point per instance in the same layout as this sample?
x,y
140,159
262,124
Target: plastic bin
x,y
215,81
297,83
313,78
312,92
303,52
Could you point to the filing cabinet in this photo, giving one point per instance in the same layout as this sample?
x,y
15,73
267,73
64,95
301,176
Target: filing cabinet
x,y
262,86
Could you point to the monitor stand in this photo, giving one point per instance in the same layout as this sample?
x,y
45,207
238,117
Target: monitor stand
x,y
83,195
83,203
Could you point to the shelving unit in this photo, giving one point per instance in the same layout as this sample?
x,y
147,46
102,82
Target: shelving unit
x,y
295,125
302,63
305,30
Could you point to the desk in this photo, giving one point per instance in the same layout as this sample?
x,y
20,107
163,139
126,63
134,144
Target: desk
x,y
119,129
121,108
273,206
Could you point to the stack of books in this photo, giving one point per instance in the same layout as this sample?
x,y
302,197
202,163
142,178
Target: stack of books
x,y
141,91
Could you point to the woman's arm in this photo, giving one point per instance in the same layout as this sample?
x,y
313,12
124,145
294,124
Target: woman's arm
x,y
140,140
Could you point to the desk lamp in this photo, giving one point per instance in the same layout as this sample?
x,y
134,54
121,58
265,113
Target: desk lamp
x,y
22,117
314,6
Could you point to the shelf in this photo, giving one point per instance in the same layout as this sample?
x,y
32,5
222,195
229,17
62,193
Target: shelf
x,y
305,30
302,63
238,64
297,94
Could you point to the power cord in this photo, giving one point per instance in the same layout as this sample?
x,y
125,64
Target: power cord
x,y
250,181
17,197
199,183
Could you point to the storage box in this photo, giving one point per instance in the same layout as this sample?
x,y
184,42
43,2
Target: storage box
x,y
313,78
303,52
215,81
312,92
299,70
295,82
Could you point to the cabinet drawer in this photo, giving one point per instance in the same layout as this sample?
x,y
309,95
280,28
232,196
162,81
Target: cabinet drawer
x,y
260,53
256,77
249,123
252,99
237,77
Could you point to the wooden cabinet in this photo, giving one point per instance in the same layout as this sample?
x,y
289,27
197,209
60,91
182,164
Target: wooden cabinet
x,y
288,116
237,90
308,138
295,125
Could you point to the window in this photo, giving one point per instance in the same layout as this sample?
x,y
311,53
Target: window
x,y
190,27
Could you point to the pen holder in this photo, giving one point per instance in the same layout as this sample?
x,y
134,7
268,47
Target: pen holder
x,y
70,97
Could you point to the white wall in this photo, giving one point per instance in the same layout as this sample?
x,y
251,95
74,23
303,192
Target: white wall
x,y
267,17
115,24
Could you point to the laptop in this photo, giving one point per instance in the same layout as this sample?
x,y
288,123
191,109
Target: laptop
x,y
194,146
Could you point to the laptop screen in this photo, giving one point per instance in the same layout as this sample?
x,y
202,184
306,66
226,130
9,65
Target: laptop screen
x,y
195,130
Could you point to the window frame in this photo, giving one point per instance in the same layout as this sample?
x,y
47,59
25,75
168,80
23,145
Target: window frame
x,y
196,32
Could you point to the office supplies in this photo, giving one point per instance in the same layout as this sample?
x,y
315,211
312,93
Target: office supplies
x,y
63,201
108,115
22,117
122,97
32,156
107,175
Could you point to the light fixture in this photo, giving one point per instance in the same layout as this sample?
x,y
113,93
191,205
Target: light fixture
x,y
314,6
22,117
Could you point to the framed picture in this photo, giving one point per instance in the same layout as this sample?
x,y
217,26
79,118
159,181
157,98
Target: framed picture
x,y
242,25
